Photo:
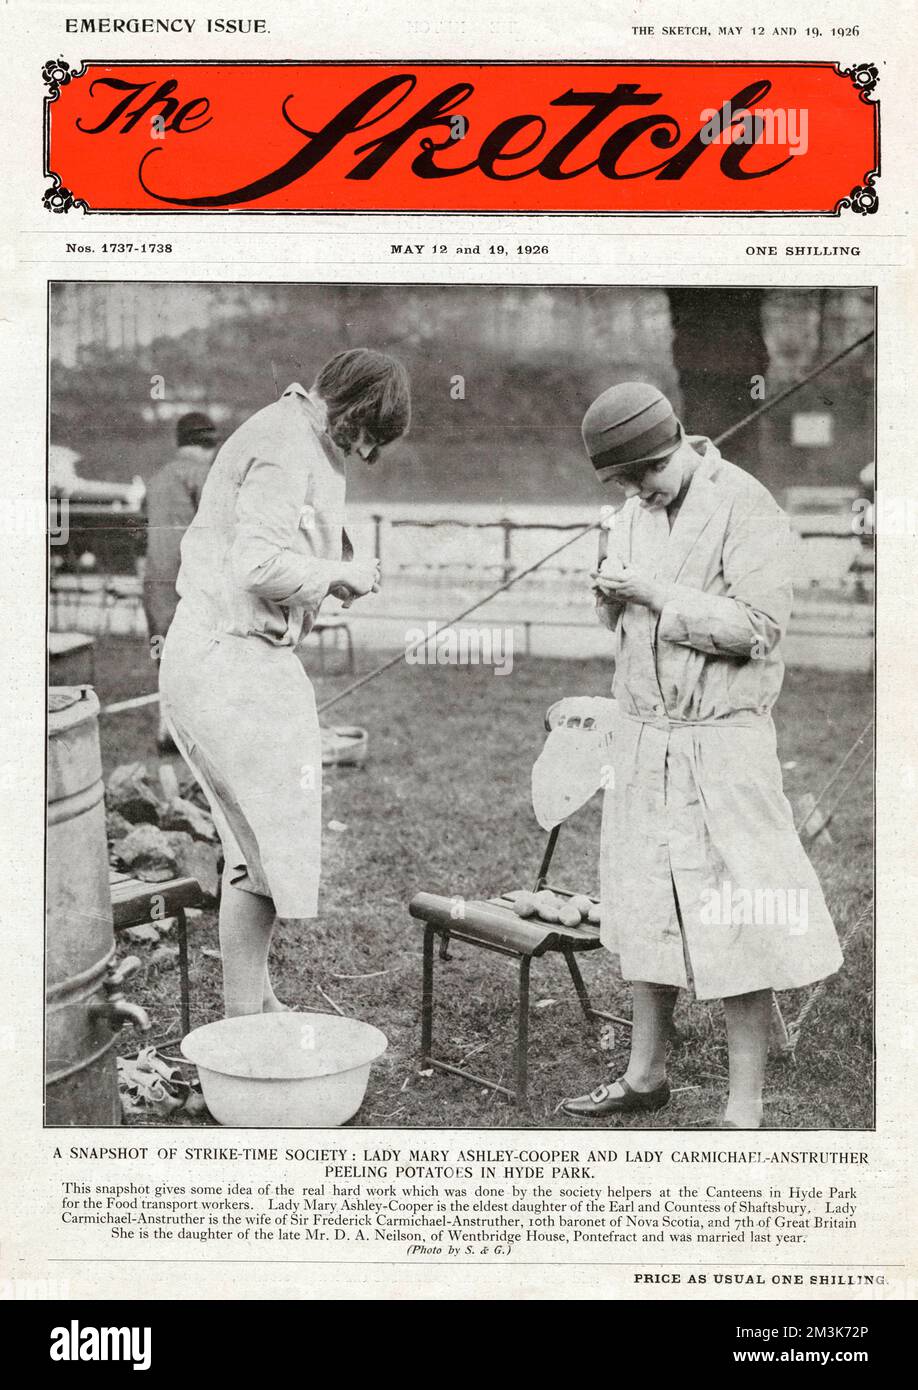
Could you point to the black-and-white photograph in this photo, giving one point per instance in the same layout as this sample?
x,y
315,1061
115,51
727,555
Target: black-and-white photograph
x,y
460,706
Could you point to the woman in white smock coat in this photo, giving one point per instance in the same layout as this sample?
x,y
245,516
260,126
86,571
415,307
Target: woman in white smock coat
x,y
260,557
704,882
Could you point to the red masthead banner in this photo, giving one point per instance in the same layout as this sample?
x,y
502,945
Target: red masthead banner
x,y
462,137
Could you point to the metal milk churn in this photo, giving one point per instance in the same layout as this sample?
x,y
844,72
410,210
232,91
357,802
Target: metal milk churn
x,y
84,1003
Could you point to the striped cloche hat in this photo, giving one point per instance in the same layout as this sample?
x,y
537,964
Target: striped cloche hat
x,y
629,424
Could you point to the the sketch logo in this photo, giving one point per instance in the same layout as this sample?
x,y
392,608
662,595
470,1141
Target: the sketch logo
x,y
433,137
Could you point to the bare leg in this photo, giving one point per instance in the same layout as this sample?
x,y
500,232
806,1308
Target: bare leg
x,y
652,1016
246,924
748,1022
270,1004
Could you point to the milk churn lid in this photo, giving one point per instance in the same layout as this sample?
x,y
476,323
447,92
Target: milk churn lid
x,y
69,706
62,697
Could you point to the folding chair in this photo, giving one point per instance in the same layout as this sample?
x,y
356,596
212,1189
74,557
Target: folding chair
x,y
493,925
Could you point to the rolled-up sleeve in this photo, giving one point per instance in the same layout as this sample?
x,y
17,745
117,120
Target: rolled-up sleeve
x,y
751,616
268,508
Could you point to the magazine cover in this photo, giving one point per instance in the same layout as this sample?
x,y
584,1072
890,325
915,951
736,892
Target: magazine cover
x,y
459,773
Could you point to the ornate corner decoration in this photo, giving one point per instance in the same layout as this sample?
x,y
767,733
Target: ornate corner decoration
x,y
863,198
864,76
55,74
60,199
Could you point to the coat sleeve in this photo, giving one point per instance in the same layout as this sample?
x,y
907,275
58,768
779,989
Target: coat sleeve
x,y
750,618
268,507
609,608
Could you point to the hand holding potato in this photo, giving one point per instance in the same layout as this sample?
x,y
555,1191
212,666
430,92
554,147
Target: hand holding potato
x,y
612,567
357,578
629,584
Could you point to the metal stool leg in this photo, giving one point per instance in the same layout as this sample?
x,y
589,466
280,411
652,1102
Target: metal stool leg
x,y
182,927
579,986
427,997
348,637
522,1034
586,1003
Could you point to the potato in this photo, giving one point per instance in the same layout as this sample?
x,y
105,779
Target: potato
x,y
612,568
547,905
523,903
569,916
582,903
593,915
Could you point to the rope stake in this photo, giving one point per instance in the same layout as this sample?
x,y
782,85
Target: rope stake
x,y
793,1030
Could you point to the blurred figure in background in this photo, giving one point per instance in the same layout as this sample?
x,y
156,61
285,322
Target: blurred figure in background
x,y
173,495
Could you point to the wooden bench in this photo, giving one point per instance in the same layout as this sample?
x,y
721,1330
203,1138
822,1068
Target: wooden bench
x,y
135,903
493,925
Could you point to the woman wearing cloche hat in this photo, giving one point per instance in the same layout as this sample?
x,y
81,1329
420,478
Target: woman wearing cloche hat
x,y
704,882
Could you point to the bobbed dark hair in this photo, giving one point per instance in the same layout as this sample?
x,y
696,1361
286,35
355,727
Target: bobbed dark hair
x,y
364,389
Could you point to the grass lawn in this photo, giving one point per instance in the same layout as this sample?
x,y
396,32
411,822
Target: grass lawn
x,y
442,804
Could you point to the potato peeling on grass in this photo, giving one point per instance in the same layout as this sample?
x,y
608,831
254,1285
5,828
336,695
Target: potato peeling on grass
x,y
148,1085
195,1104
